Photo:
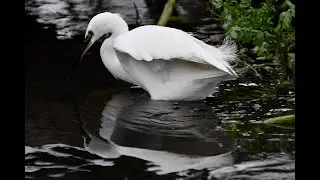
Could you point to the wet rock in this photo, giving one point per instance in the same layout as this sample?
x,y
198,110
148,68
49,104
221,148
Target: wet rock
x,y
175,107
207,20
217,38
208,29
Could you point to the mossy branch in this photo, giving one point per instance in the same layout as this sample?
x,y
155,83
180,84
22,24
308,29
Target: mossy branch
x,y
179,19
282,119
166,13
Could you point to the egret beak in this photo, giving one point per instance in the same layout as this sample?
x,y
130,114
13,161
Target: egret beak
x,y
89,41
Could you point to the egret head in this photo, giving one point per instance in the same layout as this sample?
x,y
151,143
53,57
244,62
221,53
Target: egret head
x,y
104,25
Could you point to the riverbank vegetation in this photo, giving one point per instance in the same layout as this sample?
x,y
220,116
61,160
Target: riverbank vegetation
x,y
265,34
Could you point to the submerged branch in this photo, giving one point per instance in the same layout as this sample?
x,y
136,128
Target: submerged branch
x,y
264,65
245,56
166,13
280,126
138,21
179,19
282,119
252,68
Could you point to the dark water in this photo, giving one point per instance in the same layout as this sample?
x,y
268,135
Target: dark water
x,y
117,132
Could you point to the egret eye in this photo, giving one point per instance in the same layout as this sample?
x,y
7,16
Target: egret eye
x,y
88,37
90,34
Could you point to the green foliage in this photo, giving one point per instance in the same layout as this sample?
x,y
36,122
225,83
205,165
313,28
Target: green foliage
x,y
271,35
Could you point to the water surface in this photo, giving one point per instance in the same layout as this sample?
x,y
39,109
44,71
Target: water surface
x,y
116,132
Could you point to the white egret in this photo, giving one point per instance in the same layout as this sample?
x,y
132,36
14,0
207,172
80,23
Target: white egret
x,y
168,63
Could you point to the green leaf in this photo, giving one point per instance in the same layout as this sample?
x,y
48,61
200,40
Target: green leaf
x,y
278,28
224,13
292,56
256,49
261,58
259,38
268,68
291,65
247,37
233,34
286,20
217,4
236,28
270,36
291,6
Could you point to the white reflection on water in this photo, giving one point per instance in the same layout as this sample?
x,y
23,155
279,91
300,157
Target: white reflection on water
x,y
156,131
171,137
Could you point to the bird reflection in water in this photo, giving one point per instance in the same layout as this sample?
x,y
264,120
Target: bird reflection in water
x,y
172,136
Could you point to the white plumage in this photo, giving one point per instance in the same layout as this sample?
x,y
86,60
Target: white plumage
x,y
168,63
156,42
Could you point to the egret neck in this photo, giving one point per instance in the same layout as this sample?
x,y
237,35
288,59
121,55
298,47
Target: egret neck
x,y
109,57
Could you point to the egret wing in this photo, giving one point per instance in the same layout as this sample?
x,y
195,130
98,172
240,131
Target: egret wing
x,y
148,43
